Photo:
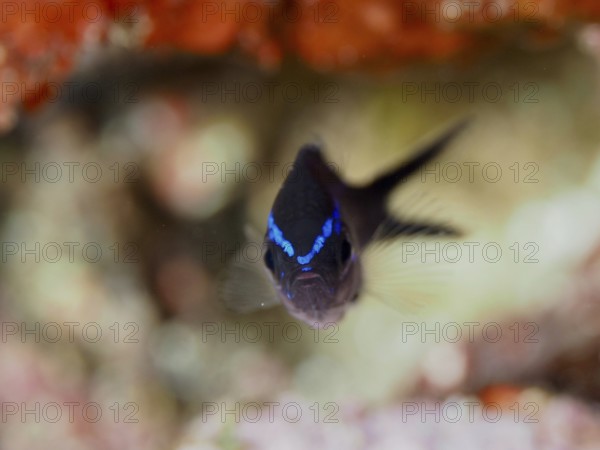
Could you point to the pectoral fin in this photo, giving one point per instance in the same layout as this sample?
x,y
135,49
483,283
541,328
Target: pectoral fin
x,y
245,285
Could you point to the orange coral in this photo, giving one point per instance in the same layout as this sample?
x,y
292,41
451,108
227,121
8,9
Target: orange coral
x,y
40,39
39,42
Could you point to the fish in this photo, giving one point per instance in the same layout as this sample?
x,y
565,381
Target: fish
x,y
317,230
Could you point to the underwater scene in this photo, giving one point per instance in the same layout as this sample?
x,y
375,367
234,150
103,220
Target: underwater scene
x,y
294,224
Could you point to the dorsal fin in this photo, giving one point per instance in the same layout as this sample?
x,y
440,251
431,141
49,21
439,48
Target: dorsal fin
x,y
367,204
384,184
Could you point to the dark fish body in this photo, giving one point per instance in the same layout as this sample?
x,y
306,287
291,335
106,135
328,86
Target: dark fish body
x,y
319,225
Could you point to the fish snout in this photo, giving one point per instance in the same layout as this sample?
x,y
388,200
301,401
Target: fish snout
x,y
313,300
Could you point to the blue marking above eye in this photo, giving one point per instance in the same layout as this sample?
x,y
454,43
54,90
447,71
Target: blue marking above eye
x,y
276,235
337,223
334,222
306,269
327,228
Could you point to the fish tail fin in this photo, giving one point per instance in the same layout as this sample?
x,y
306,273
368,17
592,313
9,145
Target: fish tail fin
x,y
384,184
392,227
373,219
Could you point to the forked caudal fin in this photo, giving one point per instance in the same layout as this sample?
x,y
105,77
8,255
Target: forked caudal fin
x,y
384,184
368,203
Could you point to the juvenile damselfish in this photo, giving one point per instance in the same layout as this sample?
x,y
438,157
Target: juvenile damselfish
x,y
319,226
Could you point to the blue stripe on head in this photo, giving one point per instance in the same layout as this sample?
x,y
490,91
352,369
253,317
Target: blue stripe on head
x,y
306,258
327,228
276,235
335,222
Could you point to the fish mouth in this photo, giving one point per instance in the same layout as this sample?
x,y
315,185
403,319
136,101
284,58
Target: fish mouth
x,y
313,301
304,276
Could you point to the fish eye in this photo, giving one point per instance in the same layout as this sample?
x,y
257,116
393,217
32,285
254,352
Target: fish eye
x,y
346,251
269,260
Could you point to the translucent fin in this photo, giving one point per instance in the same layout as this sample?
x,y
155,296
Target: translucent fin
x,y
405,265
411,275
245,285
420,216
391,228
252,234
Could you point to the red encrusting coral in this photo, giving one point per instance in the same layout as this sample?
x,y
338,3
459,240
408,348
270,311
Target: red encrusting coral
x,y
42,41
